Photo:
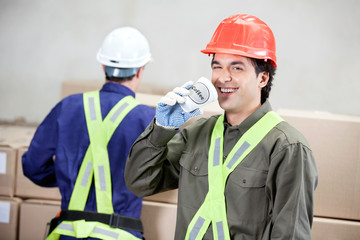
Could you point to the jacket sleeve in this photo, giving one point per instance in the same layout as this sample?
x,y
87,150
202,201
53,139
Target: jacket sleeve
x,y
291,183
38,161
153,162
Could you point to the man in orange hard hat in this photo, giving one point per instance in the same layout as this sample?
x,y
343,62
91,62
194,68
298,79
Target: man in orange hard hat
x,y
245,174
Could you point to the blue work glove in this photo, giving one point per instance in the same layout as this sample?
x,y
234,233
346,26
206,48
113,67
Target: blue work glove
x,y
169,113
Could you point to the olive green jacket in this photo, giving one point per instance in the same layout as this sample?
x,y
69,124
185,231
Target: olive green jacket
x,y
269,195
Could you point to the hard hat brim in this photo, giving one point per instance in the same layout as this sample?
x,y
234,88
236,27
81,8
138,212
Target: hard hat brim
x,y
256,54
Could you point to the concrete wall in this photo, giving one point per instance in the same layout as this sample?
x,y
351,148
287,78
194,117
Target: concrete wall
x,y
43,43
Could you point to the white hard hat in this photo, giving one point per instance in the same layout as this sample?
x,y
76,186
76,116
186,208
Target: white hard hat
x,y
124,47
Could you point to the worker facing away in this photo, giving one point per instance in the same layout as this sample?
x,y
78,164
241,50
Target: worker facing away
x,y
245,174
83,143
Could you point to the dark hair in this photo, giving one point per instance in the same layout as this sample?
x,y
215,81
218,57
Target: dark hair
x,y
118,80
264,66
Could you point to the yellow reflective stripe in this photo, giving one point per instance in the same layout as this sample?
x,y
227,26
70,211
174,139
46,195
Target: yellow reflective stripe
x,y
245,145
91,106
220,230
118,111
100,133
83,182
196,228
217,207
102,165
110,234
84,229
53,236
117,114
67,227
62,229
102,180
214,203
253,136
216,160
98,151
96,164
86,176
199,223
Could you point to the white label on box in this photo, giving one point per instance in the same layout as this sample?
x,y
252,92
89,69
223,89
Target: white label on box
x,y
4,212
2,163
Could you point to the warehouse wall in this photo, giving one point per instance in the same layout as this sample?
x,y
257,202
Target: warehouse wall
x,y
43,43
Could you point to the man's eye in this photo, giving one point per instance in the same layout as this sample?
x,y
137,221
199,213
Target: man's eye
x,y
216,67
237,68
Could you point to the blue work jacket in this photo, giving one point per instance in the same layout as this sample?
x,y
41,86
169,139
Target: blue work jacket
x,y
60,142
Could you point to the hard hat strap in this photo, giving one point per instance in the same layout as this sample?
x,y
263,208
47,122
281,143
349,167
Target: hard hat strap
x,y
120,72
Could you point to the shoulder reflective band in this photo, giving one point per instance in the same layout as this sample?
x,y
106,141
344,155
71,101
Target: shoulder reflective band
x,y
213,209
96,160
83,229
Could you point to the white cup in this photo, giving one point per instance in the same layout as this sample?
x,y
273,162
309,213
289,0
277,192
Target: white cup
x,y
201,93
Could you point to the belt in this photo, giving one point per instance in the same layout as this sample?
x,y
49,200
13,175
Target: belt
x,y
113,220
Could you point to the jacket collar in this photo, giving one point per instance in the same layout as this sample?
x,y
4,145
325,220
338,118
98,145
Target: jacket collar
x,y
252,119
117,88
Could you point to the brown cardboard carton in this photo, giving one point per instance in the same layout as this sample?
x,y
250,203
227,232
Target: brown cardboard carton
x,y
16,136
159,220
74,87
69,88
7,171
11,139
14,141
335,229
165,197
34,216
146,94
27,189
335,142
9,215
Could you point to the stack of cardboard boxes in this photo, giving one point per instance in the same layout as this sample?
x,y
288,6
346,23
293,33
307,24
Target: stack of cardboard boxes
x,y
12,140
25,208
335,142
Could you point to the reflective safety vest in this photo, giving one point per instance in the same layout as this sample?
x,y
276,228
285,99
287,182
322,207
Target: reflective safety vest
x,y
96,166
213,209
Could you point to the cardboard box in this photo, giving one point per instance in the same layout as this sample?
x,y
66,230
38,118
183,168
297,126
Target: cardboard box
x,y
335,229
159,220
335,142
34,216
16,136
165,197
11,139
7,171
9,215
14,141
74,87
25,188
146,94
69,88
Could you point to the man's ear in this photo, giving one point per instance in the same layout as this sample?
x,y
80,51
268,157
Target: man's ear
x,y
263,79
139,73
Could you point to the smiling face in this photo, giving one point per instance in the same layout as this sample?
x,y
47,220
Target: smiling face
x,y
236,82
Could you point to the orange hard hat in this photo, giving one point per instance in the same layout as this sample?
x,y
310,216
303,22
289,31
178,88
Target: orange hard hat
x,y
243,35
